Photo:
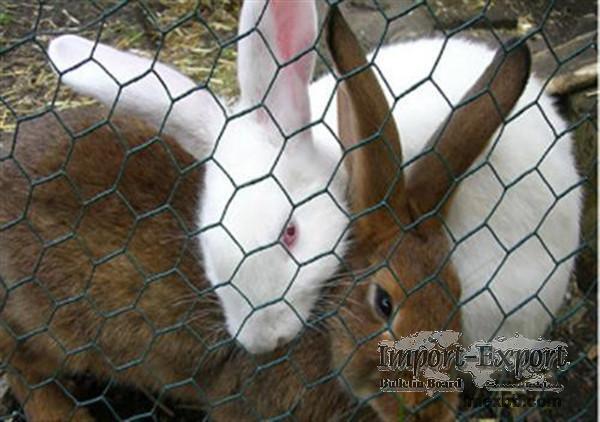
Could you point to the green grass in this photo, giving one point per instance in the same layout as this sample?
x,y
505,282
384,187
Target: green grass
x,y
5,18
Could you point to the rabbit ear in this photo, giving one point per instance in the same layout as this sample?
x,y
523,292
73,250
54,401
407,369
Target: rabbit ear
x,y
468,130
364,116
276,33
141,87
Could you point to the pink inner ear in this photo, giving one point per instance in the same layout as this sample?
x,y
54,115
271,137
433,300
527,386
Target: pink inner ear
x,y
295,33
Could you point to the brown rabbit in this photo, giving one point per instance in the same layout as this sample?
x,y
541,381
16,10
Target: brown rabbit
x,y
145,316
410,284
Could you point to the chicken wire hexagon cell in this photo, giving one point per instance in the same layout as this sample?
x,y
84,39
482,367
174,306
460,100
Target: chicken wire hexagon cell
x,y
143,241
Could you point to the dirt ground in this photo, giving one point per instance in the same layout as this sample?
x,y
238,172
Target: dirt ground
x,y
563,40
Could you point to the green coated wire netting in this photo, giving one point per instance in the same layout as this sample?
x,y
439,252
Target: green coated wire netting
x,y
106,311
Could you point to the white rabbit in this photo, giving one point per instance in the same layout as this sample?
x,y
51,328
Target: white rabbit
x,y
514,219
273,217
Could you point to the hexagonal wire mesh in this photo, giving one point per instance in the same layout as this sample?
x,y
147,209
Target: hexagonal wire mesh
x,y
142,240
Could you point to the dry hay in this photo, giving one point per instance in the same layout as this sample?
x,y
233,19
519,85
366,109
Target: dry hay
x,y
187,34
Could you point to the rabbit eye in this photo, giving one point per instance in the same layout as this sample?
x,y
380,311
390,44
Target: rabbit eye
x,y
383,302
290,234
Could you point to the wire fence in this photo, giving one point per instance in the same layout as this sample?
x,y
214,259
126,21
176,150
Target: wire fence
x,y
168,253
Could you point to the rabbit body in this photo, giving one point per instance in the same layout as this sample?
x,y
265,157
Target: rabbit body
x,y
514,220
58,299
103,278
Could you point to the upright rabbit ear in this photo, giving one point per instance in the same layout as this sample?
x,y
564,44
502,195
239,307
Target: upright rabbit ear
x,y
468,130
276,33
141,87
364,115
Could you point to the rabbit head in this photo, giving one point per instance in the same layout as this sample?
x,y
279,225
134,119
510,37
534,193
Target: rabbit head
x,y
273,216
405,281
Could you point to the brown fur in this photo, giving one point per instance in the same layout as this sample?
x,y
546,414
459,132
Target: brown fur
x,y
409,249
103,278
